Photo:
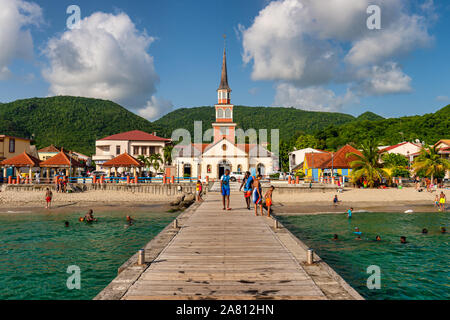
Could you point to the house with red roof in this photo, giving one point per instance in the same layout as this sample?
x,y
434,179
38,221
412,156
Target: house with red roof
x,y
134,143
318,165
406,149
228,148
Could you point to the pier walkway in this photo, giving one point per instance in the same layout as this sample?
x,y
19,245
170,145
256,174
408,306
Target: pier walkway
x,y
232,255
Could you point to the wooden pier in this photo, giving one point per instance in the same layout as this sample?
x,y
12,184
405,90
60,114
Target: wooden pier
x,y
233,255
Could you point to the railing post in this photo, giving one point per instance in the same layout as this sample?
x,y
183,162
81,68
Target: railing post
x,y
175,224
141,257
310,256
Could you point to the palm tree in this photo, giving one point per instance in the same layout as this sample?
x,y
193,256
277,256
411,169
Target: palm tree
x,y
367,164
145,160
167,151
430,162
156,160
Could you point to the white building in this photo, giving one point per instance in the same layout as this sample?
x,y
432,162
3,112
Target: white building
x,y
297,157
212,159
406,149
135,143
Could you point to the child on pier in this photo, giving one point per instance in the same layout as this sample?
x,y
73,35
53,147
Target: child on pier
x,y
268,198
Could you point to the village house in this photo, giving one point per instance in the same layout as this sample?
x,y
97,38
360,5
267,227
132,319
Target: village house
x,y
316,166
135,143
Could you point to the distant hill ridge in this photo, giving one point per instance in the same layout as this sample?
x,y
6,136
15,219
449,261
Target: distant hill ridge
x,y
76,122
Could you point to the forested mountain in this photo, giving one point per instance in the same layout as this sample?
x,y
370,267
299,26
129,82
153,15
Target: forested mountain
x,y
71,122
75,123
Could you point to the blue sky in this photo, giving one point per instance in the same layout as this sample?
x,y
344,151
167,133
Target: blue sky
x,y
185,44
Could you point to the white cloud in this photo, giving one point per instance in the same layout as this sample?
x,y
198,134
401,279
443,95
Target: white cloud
x,y
312,98
311,43
155,108
386,79
15,39
106,58
443,98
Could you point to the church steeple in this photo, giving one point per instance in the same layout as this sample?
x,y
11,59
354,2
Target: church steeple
x,y
224,127
224,77
224,90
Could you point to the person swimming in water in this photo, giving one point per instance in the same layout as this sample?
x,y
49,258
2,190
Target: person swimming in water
x,y
424,231
358,233
377,238
130,220
335,237
66,224
89,217
403,240
350,212
443,230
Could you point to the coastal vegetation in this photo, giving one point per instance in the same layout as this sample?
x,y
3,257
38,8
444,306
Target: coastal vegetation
x,y
430,164
367,165
76,123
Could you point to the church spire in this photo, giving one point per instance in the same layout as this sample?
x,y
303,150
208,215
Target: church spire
x,y
224,77
224,89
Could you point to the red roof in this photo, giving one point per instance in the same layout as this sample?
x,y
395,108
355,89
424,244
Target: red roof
x,y
315,160
22,160
135,135
50,149
340,160
61,160
396,146
123,161
337,160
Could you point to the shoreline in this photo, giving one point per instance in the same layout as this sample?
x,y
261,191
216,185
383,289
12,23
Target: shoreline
x,y
315,208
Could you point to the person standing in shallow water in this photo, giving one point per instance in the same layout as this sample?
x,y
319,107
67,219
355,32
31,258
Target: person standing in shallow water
x,y
225,187
48,198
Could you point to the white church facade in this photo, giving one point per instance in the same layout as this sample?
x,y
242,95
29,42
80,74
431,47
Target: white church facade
x,y
226,150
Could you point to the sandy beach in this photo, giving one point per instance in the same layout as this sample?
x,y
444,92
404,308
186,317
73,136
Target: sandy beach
x,y
390,200
11,199
374,200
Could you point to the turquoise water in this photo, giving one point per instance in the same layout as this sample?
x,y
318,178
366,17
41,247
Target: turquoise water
x,y
416,270
36,249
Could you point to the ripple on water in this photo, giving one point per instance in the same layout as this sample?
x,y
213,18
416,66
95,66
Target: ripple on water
x,y
36,249
416,270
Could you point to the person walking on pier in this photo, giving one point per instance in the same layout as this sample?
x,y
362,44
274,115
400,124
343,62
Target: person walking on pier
x,y
247,183
257,195
225,187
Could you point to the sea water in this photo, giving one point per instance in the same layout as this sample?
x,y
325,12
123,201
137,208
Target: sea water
x,y
418,269
36,249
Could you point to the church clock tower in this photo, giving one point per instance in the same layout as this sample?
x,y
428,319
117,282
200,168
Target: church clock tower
x,y
224,127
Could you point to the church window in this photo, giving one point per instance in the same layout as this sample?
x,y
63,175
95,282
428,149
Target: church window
x,y
224,131
220,113
228,114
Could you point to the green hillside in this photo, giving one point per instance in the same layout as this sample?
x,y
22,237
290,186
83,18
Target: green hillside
x,y
71,122
429,128
369,116
288,120
76,123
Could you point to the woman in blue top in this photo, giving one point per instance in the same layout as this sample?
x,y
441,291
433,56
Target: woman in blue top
x,y
225,187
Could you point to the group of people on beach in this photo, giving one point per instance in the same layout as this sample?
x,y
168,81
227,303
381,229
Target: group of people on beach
x,y
252,188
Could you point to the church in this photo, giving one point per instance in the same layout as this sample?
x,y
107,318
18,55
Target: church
x,y
228,149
